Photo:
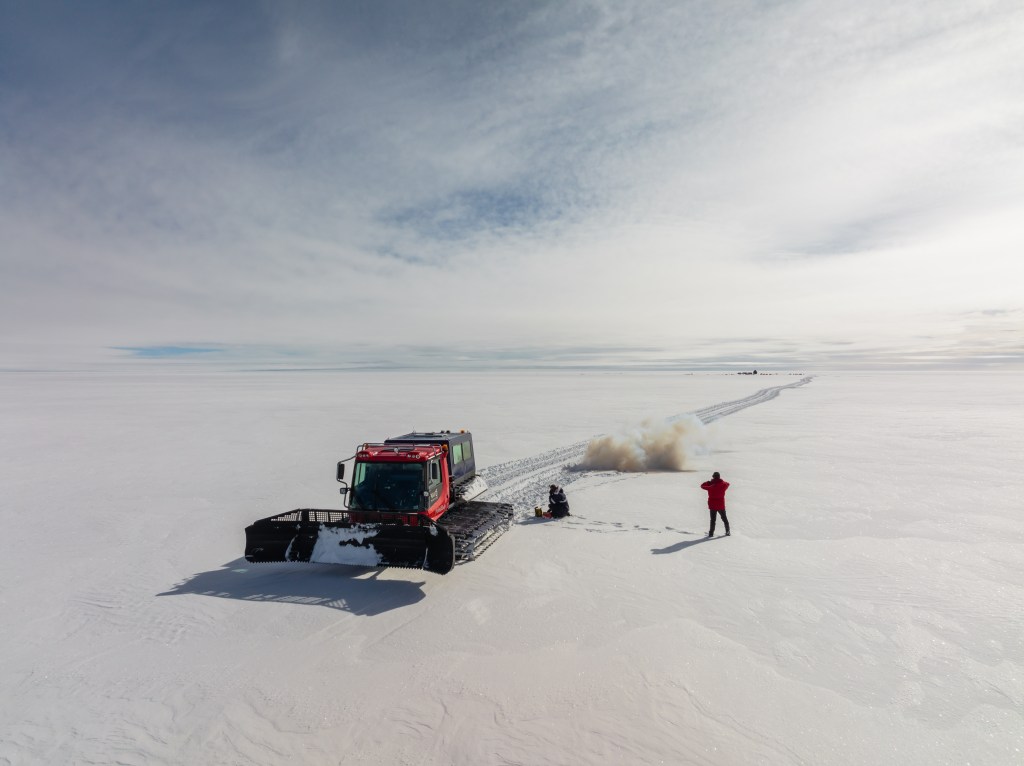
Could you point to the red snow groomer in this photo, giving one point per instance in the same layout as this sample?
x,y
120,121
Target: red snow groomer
x,y
410,505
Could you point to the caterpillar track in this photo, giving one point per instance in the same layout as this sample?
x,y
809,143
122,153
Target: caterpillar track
x,y
516,481
476,525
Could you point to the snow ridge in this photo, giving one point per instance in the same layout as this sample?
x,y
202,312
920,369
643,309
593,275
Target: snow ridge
x,y
519,481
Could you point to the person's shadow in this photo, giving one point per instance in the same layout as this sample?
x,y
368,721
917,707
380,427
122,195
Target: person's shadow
x,y
330,585
683,544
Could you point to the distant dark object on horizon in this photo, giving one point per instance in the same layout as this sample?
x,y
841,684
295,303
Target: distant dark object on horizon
x,y
747,373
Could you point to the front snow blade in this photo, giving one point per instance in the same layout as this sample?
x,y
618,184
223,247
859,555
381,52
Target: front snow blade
x,y
329,537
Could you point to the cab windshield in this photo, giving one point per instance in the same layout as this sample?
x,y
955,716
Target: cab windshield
x,y
387,487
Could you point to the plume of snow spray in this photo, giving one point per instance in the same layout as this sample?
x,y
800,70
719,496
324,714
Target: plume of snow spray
x,y
652,447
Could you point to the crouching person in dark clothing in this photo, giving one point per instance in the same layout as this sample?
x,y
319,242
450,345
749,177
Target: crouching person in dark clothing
x,y
558,503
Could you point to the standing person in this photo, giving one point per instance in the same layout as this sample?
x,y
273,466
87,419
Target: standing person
x,y
716,500
558,503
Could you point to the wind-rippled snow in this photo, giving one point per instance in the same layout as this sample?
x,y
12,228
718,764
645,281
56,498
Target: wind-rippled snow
x,y
866,608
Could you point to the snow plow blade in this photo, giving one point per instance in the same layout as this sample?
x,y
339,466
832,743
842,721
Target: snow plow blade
x,y
332,537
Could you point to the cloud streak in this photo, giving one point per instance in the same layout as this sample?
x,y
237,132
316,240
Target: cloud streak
x,y
547,175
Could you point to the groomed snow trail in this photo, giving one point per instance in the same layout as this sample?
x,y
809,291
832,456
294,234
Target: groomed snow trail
x,y
518,481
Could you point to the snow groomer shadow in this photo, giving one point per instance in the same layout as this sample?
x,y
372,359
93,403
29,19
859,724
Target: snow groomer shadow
x,y
351,589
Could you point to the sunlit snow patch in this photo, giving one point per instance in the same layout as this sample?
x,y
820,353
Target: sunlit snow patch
x,y
345,546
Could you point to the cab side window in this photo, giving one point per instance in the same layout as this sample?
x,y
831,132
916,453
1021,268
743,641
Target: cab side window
x,y
433,482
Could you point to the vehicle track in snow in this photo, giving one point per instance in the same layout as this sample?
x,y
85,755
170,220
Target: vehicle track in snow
x,y
521,481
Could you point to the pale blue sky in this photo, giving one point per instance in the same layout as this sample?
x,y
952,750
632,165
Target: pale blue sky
x,y
702,184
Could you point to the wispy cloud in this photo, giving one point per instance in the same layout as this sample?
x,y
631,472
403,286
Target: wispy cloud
x,y
539,176
166,352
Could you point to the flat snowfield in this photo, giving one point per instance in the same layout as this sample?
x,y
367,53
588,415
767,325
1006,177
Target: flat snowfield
x,y
867,609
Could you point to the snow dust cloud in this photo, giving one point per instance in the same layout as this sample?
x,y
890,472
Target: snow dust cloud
x,y
651,447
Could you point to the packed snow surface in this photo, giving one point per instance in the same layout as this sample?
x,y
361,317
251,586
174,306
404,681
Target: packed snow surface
x,y
866,609
334,546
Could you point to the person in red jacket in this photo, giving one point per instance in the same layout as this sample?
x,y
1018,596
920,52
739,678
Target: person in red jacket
x,y
716,500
